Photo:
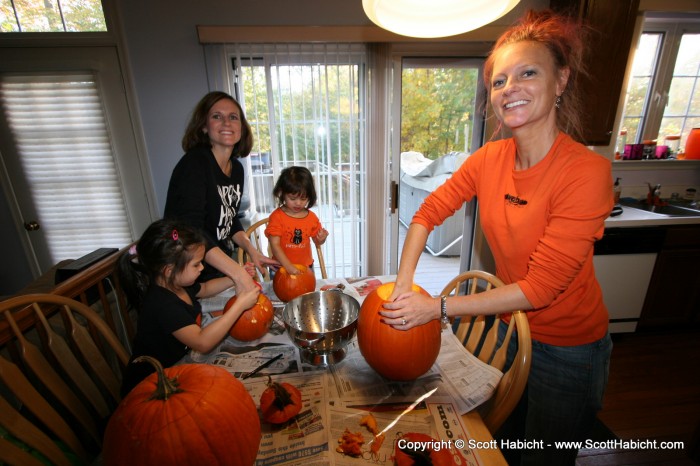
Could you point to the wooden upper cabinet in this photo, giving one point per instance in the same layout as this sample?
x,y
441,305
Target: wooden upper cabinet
x,y
607,53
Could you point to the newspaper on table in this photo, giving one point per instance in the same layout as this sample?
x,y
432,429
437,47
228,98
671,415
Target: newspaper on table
x,y
303,440
339,395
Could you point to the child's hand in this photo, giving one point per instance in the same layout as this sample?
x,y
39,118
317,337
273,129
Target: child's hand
x,y
250,268
321,236
248,298
293,270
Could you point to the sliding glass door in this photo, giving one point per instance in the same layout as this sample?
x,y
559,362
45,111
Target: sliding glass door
x,y
306,105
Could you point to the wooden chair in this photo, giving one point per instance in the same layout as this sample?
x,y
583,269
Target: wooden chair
x,y
61,366
257,237
480,338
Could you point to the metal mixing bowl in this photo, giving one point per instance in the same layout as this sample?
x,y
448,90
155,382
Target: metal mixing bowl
x,y
321,323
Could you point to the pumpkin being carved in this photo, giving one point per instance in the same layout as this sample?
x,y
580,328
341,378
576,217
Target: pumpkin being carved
x,y
288,287
254,322
395,354
192,414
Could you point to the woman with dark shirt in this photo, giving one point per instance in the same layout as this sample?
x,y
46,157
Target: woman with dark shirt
x,y
206,185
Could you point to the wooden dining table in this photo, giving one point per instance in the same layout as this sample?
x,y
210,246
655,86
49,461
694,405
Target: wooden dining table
x,y
485,449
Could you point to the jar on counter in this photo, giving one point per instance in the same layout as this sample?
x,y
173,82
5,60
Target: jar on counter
x,y
649,151
674,143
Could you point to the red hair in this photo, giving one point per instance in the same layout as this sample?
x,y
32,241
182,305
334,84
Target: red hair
x,y
565,38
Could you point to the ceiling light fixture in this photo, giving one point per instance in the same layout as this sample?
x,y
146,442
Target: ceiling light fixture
x,y
435,18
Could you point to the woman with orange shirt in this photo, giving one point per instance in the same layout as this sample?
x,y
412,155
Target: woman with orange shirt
x,y
543,200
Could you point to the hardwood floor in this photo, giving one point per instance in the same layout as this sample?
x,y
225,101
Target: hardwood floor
x,y
653,393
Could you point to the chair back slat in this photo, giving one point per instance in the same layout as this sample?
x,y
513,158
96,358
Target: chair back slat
x,y
44,371
65,374
65,358
479,335
40,408
32,436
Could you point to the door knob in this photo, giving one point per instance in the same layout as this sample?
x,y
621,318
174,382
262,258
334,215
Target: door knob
x,y
32,226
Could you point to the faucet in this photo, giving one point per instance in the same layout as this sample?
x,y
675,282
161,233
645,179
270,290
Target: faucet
x,y
654,196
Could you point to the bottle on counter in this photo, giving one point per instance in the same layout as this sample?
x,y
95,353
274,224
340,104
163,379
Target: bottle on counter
x,y
617,190
620,144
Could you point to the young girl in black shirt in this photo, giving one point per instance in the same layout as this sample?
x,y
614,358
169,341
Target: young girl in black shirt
x,y
159,276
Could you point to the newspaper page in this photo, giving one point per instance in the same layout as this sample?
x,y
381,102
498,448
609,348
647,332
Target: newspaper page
x,y
469,381
452,434
305,438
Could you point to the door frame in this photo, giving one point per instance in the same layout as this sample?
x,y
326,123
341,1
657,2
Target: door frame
x,y
464,54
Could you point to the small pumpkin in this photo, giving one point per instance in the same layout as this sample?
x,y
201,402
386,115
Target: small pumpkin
x,y
395,354
279,402
288,287
254,322
427,456
191,414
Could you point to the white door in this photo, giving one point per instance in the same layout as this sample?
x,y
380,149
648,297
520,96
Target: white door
x,y
70,166
439,101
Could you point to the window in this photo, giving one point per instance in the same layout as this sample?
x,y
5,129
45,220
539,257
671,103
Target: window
x,y
663,94
64,147
51,16
305,104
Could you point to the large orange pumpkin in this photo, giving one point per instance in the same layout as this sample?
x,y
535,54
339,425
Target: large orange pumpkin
x,y
395,354
192,414
254,322
288,287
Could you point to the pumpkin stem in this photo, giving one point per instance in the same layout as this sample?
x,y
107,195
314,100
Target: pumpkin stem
x,y
165,385
282,396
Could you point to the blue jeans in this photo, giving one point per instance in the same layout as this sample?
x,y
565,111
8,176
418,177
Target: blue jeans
x,y
564,392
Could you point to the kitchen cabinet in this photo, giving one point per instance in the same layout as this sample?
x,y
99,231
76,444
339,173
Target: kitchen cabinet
x,y
673,297
606,61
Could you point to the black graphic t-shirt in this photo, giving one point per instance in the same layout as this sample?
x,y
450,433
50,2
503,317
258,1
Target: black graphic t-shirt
x,y
200,194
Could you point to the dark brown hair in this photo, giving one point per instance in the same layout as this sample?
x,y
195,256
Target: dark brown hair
x,y
565,38
295,180
164,243
195,136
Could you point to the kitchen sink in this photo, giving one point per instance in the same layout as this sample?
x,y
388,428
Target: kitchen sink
x,y
668,210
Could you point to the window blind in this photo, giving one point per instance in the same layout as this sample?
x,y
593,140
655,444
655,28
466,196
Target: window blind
x,y
63,142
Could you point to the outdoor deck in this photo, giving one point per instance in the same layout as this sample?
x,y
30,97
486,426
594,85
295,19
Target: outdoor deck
x,y
433,272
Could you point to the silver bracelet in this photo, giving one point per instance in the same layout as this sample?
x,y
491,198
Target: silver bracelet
x,y
443,312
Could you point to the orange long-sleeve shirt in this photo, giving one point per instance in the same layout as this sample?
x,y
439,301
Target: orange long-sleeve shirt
x,y
541,224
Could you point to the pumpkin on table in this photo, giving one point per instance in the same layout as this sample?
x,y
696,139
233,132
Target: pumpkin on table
x,y
192,414
288,287
254,322
279,402
395,354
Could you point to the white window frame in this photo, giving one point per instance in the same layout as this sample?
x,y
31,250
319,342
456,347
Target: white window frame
x,y
672,29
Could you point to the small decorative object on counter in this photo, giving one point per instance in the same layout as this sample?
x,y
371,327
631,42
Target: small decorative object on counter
x,y
673,142
617,190
649,150
690,194
620,144
633,152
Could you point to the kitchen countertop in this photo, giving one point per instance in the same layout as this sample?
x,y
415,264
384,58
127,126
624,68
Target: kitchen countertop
x,y
632,217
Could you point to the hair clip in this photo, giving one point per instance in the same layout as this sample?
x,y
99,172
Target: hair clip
x,y
175,235
132,250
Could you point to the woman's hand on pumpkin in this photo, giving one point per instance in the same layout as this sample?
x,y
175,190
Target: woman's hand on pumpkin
x,y
261,261
399,290
410,310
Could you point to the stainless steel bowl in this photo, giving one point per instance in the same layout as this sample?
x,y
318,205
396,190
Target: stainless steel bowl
x,y
321,323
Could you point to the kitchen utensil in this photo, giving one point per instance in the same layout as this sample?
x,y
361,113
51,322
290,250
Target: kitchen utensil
x,y
262,366
321,323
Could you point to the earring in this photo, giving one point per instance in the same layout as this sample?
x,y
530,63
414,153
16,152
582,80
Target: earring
x,y
557,103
